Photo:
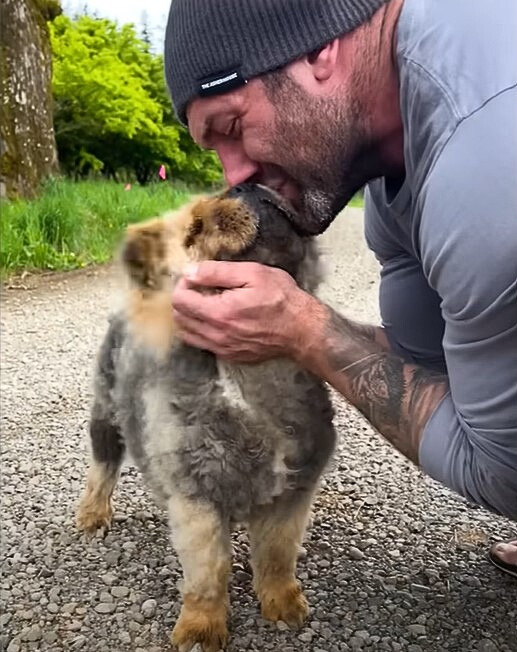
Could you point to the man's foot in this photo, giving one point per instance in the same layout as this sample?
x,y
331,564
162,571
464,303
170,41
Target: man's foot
x,y
504,557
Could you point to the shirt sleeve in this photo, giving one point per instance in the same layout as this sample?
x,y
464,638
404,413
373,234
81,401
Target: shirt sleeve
x,y
467,237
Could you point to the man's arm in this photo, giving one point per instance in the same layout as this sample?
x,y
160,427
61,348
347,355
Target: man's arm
x,y
396,397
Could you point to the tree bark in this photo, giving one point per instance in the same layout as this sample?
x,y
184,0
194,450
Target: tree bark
x,y
27,142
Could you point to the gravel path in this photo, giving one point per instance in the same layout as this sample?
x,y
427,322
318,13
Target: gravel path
x,y
394,561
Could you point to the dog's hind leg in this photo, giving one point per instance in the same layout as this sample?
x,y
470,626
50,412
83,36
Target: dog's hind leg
x,y
95,509
276,532
201,537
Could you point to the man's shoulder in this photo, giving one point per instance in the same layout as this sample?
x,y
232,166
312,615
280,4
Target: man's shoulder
x,y
464,49
468,96
453,59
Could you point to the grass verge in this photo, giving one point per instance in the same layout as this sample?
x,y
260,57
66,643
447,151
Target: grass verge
x,y
75,224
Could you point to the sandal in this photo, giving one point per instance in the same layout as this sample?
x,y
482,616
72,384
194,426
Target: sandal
x,y
495,559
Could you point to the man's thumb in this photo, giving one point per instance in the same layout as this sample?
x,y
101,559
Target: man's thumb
x,y
217,274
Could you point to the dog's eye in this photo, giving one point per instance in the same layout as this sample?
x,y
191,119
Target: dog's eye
x,y
195,229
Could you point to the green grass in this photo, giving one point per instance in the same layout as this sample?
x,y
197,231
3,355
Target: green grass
x,y
75,224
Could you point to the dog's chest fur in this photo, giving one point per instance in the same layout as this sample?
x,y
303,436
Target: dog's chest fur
x,y
236,435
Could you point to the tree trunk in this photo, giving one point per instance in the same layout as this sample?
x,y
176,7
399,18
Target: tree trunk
x,y
27,141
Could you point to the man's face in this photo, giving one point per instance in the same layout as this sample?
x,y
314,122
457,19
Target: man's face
x,y
315,151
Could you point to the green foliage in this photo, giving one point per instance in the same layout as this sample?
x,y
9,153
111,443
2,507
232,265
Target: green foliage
x,y
357,201
112,112
75,224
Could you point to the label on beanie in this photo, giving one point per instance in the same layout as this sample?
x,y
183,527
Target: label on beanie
x,y
221,82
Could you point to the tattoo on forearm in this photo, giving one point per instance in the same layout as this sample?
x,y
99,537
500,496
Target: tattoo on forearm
x,y
396,397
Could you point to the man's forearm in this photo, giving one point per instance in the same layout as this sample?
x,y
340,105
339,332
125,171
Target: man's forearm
x,y
396,397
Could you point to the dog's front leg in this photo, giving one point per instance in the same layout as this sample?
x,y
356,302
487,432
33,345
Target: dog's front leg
x,y
276,532
201,538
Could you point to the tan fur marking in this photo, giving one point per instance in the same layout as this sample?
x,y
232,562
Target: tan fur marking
x,y
95,510
284,601
275,539
153,266
151,319
203,622
202,542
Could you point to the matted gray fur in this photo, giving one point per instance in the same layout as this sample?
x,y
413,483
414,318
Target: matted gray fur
x,y
218,443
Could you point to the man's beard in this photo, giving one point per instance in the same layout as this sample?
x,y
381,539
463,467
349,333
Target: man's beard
x,y
326,149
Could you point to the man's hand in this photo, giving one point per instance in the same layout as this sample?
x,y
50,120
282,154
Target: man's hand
x,y
260,313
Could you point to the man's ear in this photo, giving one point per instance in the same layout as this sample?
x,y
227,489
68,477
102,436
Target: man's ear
x,y
317,68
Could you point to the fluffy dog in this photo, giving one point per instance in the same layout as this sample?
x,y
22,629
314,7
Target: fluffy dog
x,y
218,443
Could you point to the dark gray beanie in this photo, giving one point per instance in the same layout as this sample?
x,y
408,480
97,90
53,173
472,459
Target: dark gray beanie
x,y
213,46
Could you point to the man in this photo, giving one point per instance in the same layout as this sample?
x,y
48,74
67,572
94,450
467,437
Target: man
x,y
417,99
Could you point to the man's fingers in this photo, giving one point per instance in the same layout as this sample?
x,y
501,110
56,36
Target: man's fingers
x,y
220,274
196,341
204,307
198,328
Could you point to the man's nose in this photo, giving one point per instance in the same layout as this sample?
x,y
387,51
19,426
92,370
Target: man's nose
x,y
237,166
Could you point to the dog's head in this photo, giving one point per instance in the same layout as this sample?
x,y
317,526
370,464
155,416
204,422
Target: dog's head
x,y
246,223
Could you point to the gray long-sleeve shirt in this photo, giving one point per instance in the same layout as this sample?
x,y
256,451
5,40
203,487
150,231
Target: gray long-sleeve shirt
x,y
446,236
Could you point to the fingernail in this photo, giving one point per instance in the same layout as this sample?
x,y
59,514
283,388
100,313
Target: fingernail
x,y
190,270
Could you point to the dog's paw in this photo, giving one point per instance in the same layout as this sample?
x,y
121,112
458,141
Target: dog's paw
x,y
284,601
91,517
205,626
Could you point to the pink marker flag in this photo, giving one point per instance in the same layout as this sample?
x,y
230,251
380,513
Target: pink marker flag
x,y
161,172
127,186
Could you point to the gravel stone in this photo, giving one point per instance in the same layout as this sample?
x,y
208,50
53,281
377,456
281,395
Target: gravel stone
x,y
14,646
149,608
120,591
50,637
69,608
105,607
4,619
109,579
486,645
105,597
79,642
410,568
355,553
34,634
124,637
417,630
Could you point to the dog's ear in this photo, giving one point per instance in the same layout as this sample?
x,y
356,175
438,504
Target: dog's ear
x,y
219,226
144,253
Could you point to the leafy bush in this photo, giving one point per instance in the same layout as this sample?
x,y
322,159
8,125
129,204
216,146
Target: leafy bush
x,y
112,112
